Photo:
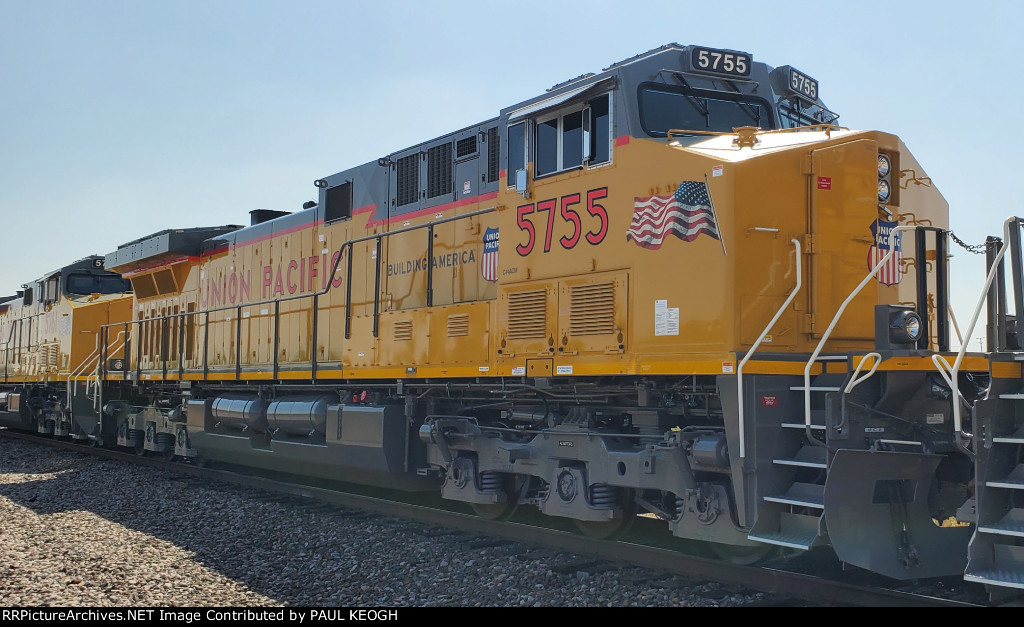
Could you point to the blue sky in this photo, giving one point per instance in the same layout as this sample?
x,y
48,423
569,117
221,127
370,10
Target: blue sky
x,y
121,118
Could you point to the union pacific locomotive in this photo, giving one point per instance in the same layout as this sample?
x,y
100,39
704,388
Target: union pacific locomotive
x,y
674,289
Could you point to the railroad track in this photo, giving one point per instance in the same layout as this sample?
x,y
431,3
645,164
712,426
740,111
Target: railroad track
x,y
783,579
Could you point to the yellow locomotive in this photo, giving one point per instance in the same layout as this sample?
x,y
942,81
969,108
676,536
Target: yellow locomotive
x,y
50,348
673,288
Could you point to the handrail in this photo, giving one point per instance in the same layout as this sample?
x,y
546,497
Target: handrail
x,y
854,381
953,371
97,401
760,338
10,338
835,321
80,368
314,295
827,128
93,357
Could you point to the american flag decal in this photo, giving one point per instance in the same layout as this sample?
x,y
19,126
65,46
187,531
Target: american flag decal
x,y
892,272
686,214
489,260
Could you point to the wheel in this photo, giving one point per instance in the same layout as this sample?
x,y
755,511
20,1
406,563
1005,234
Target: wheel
x,y
743,555
168,454
139,446
502,511
611,529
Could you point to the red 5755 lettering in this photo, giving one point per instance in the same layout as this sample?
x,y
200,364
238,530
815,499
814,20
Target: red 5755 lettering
x,y
568,208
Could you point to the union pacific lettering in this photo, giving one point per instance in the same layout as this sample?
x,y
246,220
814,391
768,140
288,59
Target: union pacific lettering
x,y
304,275
450,260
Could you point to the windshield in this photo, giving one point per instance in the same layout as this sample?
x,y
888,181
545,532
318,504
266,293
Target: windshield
x,y
793,115
663,107
96,284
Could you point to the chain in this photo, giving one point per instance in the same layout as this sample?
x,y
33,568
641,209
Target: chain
x,y
977,249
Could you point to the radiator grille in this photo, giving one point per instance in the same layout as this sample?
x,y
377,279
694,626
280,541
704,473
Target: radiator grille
x,y
408,179
527,315
402,330
465,147
592,309
492,154
458,325
439,170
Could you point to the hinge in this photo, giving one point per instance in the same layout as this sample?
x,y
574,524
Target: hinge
x,y
808,164
808,244
809,322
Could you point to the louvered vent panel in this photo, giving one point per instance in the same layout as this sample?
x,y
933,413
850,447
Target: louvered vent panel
x,y
527,315
408,176
51,359
402,330
465,147
592,309
493,144
458,325
439,170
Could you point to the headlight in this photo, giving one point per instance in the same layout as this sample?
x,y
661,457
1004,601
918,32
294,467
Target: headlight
x,y
883,165
883,191
905,327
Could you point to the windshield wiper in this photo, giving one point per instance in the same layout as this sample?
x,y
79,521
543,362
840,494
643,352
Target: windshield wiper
x,y
753,111
695,101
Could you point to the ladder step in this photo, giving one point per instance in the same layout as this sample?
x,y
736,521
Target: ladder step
x,y
1006,568
818,388
802,541
1017,437
796,531
831,358
802,495
1012,524
801,425
1004,578
1012,397
807,457
1013,481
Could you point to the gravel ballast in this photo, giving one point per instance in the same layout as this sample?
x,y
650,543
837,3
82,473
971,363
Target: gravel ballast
x,y
80,531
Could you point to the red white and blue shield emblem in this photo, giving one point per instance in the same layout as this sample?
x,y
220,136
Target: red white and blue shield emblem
x,y
489,260
891,271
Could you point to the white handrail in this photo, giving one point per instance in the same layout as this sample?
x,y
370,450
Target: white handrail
x,y
81,366
93,357
952,371
760,338
835,321
854,381
95,376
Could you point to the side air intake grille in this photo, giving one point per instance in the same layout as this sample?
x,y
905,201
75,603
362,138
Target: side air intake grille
x,y
408,179
465,147
592,309
402,330
458,325
439,170
527,315
492,154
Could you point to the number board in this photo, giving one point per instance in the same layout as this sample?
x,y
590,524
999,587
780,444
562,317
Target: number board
x,y
802,85
726,62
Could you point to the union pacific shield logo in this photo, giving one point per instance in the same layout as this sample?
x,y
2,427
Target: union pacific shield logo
x,y
489,260
891,272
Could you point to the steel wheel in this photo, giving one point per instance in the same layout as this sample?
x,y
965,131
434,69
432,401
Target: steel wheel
x,y
743,555
511,485
610,529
